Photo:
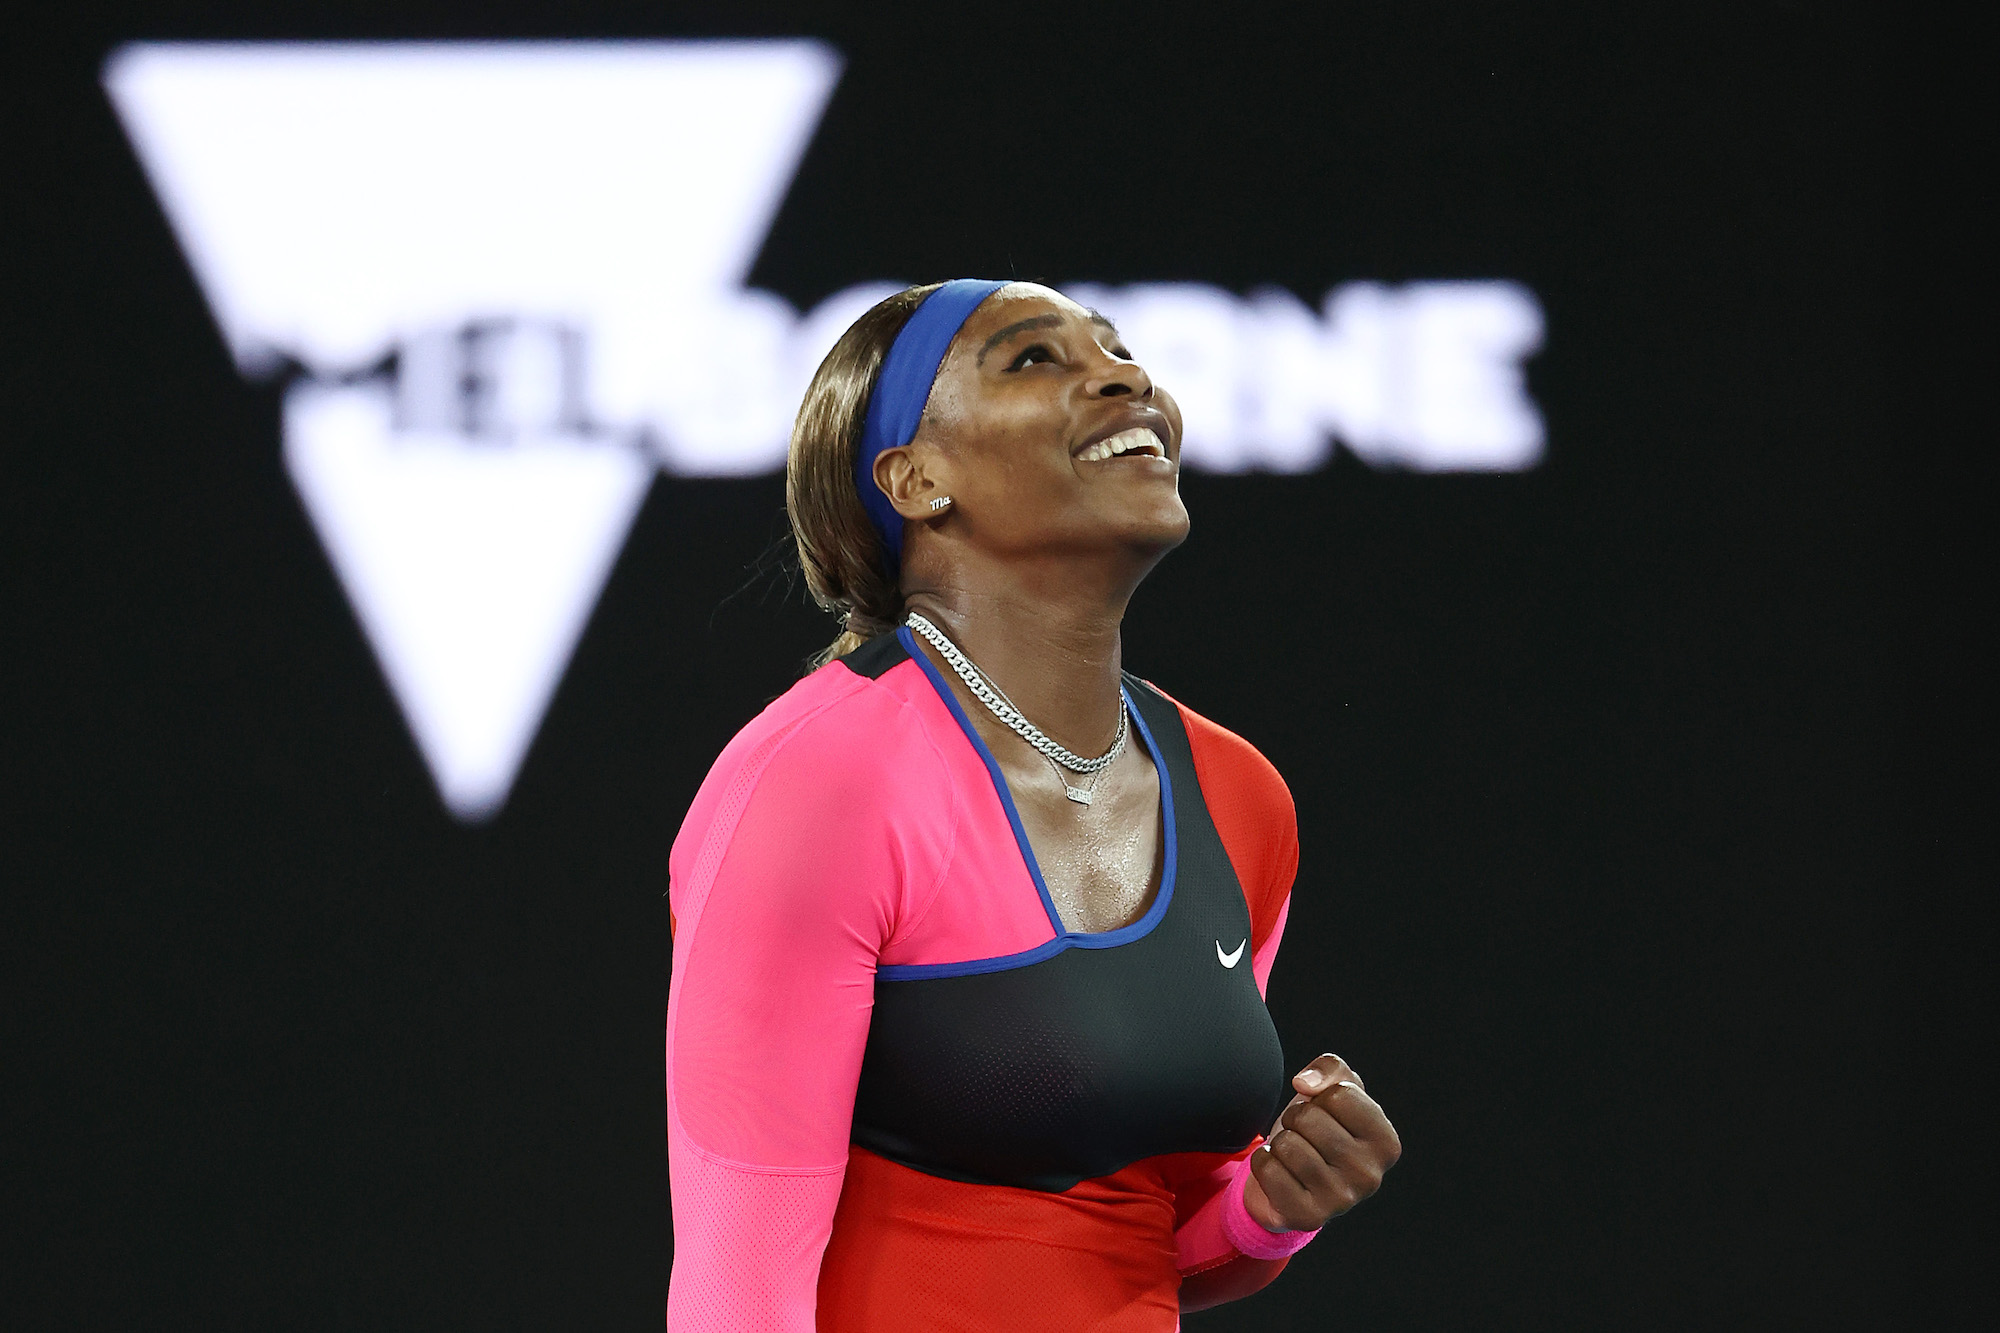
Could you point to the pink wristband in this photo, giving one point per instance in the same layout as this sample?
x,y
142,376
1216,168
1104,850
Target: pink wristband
x,y
1247,1234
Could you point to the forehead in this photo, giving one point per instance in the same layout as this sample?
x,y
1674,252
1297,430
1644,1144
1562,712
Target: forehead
x,y
1015,312
1018,301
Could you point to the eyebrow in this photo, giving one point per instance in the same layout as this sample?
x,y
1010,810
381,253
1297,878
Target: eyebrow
x,y
1037,322
1018,326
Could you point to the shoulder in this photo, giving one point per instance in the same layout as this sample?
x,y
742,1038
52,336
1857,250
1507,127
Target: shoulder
x,y
834,714
1234,773
838,739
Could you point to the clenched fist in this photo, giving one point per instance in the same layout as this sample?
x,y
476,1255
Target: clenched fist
x,y
1327,1152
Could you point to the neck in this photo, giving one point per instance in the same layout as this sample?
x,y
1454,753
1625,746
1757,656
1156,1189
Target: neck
x,y
1046,633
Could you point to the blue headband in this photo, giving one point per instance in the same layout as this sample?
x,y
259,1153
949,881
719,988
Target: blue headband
x,y
902,389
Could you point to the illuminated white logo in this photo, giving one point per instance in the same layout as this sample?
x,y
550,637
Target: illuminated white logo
x,y
505,284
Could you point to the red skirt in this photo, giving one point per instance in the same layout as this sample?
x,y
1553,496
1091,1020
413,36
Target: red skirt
x,y
912,1253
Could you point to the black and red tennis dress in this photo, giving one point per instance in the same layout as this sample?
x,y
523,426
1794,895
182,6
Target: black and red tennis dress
x,y
901,1095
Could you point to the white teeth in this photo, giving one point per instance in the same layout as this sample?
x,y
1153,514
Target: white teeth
x,y
1138,438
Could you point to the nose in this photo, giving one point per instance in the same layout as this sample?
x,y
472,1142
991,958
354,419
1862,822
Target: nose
x,y
1117,378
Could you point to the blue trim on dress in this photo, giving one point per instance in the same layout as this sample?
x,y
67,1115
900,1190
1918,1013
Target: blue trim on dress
x,y
1071,939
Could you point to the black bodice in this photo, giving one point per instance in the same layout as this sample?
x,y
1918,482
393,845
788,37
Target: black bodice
x,y
1079,1058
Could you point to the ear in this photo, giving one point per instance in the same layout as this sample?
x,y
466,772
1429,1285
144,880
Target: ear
x,y
906,480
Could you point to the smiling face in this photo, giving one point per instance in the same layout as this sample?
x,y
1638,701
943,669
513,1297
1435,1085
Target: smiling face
x,y
1047,435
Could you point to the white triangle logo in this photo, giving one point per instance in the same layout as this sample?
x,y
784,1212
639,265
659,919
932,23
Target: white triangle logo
x,y
439,234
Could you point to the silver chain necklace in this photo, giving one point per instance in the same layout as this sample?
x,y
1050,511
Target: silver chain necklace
x,y
998,704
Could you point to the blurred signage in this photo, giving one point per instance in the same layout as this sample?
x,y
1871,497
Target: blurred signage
x,y
505,283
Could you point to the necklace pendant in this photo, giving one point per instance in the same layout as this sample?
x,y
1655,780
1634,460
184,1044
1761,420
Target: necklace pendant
x,y
1081,795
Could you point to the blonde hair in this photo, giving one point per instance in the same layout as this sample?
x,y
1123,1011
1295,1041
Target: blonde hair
x,y
847,571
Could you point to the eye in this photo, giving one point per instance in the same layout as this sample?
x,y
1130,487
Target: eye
x,y
1029,356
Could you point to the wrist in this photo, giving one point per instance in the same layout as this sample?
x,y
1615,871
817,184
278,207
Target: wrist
x,y
1250,1236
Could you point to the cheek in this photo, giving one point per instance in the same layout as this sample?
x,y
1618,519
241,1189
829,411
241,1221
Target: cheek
x,y
1023,476
1167,404
1017,449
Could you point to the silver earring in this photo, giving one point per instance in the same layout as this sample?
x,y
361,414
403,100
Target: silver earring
x,y
940,502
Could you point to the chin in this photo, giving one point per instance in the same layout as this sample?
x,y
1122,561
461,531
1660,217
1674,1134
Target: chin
x,y
1160,531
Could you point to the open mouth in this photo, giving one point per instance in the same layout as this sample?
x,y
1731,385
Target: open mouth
x,y
1136,441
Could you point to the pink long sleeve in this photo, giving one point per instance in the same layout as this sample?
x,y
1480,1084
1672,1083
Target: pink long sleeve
x,y
788,883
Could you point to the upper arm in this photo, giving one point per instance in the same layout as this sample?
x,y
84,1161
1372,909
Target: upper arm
x,y
783,897
803,876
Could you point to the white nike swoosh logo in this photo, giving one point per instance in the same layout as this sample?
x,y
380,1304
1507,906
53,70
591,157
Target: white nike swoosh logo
x,y
1231,958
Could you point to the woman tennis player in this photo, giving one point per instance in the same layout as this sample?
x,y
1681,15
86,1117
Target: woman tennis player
x,y
972,928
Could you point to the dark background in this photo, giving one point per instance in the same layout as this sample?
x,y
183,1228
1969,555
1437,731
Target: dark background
x,y
1598,767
